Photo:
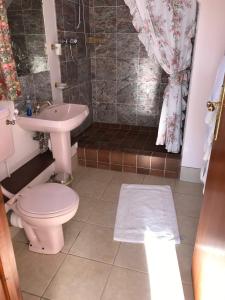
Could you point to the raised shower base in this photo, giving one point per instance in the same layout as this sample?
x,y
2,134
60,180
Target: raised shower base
x,y
126,149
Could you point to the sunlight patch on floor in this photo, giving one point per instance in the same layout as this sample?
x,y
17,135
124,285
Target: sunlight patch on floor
x,y
164,273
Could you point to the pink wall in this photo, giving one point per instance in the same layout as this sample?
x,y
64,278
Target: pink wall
x,y
209,49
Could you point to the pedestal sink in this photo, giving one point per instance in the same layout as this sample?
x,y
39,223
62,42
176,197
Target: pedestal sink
x,y
58,120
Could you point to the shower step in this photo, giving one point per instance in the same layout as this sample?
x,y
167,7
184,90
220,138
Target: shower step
x,y
25,174
126,149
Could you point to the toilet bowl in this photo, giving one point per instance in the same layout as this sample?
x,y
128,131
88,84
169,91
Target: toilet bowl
x,y
43,209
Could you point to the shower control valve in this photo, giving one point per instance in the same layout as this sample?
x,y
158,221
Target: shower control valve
x,y
70,41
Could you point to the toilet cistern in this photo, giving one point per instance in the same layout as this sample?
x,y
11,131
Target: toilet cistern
x,y
58,120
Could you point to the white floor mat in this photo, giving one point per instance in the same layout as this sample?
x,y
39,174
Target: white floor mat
x,y
146,209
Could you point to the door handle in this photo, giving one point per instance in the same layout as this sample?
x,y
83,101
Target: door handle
x,y
212,106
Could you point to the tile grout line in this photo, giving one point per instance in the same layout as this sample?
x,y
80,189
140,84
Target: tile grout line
x,y
117,252
106,283
57,270
74,240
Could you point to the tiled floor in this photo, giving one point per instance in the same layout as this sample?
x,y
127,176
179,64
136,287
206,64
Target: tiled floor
x,y
91,266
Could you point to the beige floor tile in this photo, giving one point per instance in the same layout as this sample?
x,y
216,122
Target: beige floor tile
x,y
184,187
20,236
77,170
86,206
187,228
27,296
103,214
90,188
71,230
112,192
188,292
184,255
97,175
75,164
96,242
78,279
157,180
35,270
187,205
76,177
129,178
132,256
13,231
126,284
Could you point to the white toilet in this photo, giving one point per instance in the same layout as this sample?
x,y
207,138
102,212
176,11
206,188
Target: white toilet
x,y
41,209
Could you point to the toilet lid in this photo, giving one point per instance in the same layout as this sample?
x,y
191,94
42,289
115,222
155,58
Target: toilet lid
x,y
47,198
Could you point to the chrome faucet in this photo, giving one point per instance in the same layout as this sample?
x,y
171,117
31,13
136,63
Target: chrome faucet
x,y
39,106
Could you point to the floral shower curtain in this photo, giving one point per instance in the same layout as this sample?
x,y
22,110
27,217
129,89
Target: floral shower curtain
x,y
166,27
9,84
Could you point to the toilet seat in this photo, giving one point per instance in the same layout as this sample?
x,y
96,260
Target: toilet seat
x,y
47,200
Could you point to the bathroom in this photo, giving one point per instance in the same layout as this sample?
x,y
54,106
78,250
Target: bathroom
x,y
88,53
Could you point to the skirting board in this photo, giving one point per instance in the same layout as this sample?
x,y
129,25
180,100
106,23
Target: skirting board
x,y
190,174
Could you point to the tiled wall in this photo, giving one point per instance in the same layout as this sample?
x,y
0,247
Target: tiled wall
x,y
127,85
28,40
126,148
75,68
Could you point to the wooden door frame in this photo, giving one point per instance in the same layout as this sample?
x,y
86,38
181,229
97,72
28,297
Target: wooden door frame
x,y
9,280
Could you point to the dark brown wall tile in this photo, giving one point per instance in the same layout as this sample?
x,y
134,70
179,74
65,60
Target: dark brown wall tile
x,y
143,161
158,161
172,174
172,164
105,2
124,20
116,168
129,159
103,156
91,164
105,19
129,169
116,158
81,153
157,173
81,162
103,166
91,154
143,171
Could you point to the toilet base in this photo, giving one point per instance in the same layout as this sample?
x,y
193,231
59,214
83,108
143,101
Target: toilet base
x,y
44,240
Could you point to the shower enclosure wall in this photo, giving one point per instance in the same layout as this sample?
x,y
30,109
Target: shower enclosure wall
x,y
127,85
109,70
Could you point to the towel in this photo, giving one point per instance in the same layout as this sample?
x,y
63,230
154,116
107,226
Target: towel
x,y
146,209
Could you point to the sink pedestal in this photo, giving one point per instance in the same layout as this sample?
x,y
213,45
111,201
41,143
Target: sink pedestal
x,y
61,150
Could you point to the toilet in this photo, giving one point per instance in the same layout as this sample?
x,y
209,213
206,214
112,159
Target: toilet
x,y
42,209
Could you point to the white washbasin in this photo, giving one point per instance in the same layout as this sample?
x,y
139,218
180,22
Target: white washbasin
x,y
55,118
59,120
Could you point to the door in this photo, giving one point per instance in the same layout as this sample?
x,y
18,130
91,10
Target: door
x,y
9,282
208,266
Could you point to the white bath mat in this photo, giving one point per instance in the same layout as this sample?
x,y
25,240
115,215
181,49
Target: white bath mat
x,y
145,209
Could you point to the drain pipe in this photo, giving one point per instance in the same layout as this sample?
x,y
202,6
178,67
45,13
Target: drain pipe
x,y
13,219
